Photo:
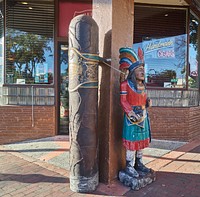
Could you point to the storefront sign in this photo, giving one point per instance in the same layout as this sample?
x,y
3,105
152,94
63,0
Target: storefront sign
x,y
87,12
165,60
159,48
165,54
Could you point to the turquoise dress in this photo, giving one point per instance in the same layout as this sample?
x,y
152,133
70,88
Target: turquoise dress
x,y
136,135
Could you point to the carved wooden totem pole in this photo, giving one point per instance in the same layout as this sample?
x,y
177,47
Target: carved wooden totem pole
x,y
83,100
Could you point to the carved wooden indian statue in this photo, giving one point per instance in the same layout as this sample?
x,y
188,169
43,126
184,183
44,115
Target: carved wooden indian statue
x,y
136,126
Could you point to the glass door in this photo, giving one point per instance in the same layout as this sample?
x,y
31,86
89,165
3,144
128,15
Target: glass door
x,y
63,89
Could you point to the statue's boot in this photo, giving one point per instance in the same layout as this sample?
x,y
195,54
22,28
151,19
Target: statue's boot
x,y
130,170
139,166
130,161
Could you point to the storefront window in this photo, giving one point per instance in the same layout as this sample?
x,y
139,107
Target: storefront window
x,y
163,41
1,39
29,42
193,52
165,61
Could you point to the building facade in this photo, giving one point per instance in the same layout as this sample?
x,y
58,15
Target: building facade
x,y
33,70
34,62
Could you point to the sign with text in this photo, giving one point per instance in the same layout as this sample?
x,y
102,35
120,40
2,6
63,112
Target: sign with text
x,y
165,60
159,48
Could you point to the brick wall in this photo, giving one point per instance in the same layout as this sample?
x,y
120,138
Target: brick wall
x,y
194,123
16,123
179,124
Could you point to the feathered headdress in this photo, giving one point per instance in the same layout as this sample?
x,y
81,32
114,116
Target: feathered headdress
x,y
129,59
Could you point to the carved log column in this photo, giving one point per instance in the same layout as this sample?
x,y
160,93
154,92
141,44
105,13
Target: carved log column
x,y
83,96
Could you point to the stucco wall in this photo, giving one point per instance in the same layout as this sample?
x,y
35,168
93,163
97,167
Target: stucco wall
x,y
115,21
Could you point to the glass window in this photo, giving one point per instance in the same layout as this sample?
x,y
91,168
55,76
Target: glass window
x,y
193,52
161,34
1,40
64,94
29,42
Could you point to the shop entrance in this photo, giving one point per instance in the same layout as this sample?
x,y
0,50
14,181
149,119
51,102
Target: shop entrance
x,y
63,123
66,11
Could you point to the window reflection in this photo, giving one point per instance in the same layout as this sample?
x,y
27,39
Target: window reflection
x,y
1,41
64,94
161,33
193,52
29,42
165,61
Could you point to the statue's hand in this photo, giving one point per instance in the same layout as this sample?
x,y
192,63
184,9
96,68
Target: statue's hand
x,y
133,116
148,102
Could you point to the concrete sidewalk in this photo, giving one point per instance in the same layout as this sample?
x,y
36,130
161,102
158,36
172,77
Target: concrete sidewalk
x,y
41,168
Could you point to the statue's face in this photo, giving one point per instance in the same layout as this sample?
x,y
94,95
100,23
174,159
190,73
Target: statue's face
x,y
139,73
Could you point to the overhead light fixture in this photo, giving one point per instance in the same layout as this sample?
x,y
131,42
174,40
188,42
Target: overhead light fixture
x,y
30,8
24,3
166,15
195,21
64,47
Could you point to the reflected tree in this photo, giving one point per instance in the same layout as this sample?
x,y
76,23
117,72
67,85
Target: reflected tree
x,y
24,51
193,31
181,52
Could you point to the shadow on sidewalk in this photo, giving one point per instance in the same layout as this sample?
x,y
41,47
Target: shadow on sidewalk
x,y
32,178
170,184
35,150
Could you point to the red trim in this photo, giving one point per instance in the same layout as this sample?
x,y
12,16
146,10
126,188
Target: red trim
x,y
138,145
124,65
67,11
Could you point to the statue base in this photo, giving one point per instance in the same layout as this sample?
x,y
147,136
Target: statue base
x,y
137,183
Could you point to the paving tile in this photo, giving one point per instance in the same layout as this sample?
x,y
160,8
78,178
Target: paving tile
x,y
173,166
116,188
190,167
188,157
189,146
177,172
158,164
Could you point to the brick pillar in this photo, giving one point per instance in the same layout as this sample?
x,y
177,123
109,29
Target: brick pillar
x,y
115,21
